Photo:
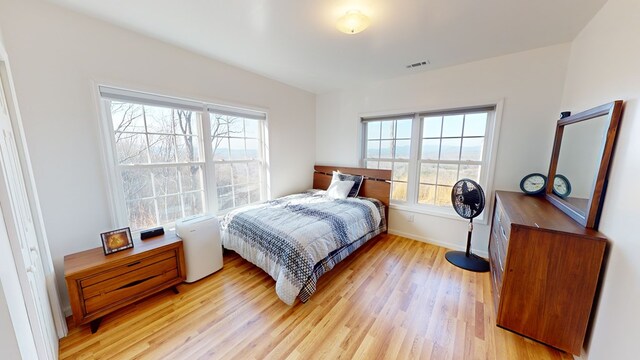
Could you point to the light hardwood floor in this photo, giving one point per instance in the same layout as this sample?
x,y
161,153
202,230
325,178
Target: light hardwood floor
x,y
394,298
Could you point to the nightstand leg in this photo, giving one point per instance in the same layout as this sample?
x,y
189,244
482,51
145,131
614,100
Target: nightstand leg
x,y
95,324
175,290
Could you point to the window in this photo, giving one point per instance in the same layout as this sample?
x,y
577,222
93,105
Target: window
x,y
429,152
388,147
237,157
166,168
451,149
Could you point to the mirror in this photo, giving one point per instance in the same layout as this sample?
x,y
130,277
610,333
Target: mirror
x,y
580,162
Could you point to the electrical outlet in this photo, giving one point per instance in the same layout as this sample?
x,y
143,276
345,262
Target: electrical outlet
x,y
410,218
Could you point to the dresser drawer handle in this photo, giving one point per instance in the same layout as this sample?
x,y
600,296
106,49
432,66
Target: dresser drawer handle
x,y
133,264
134,283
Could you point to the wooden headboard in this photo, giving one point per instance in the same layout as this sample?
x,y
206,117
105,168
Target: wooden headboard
x,y
376,182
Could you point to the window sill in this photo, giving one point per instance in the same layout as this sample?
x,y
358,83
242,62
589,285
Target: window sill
x,y
447,213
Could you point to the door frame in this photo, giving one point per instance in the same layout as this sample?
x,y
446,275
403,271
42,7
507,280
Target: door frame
x,y
58,320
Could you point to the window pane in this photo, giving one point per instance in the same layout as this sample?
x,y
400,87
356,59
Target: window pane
x,y
186,122
219,126
443,196
373,149
162,148
191,177
475,124
236,126
127,117
131,148
385,149
137,183
159,119
472,149
225,191
400,171
220,148
251,128
254,193
240,175
403,129
450,149
399,191
470,172
165,180
223,174
236,149
188,148
371,165
193,203
169,208
252,149
403,148
141,214
254,172
427,194
385,165
452,126
241,195
431,149
428,173
431,127
225,198
387,129
373,130
447,174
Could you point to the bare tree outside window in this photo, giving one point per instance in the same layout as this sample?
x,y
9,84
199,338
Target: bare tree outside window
x,y
161,167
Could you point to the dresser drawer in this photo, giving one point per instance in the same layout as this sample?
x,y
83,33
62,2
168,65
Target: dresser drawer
x,y
128,290
138,275
120,270
496,258
503,223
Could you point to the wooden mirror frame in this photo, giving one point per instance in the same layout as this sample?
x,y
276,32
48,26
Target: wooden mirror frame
x,y
591,217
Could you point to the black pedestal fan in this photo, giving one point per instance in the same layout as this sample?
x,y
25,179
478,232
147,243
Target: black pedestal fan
x,y
467,198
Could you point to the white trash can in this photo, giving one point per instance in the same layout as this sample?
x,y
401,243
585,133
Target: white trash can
x,y
201,242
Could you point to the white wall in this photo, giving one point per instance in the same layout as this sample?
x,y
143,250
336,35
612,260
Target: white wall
x,y
531,85
56,54
604,65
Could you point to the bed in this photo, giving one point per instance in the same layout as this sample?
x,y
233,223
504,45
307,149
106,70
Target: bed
x,y
298,238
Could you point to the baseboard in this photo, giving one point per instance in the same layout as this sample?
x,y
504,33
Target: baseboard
x,y
445,244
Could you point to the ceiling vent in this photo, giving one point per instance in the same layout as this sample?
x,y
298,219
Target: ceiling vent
x,y
418,64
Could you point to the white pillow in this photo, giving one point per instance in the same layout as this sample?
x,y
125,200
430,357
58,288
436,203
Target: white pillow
x,y
339,189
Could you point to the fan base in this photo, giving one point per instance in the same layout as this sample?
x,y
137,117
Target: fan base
x,y
472,262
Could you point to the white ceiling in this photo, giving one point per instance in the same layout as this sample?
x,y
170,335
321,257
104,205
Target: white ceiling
x,y
296,42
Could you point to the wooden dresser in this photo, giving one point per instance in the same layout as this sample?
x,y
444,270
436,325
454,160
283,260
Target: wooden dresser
x,y
99,284
544,269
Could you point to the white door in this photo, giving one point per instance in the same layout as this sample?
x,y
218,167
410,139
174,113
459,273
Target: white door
x,y
23,238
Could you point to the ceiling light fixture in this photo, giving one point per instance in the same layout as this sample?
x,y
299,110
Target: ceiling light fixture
x,y
353,22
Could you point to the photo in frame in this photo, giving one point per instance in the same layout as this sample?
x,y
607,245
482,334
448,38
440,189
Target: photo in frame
x,y
116,240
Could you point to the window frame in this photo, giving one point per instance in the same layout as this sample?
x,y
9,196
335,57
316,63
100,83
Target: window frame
x,y
491,137
115,186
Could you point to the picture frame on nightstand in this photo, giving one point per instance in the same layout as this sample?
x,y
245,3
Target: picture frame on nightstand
x,y
116,240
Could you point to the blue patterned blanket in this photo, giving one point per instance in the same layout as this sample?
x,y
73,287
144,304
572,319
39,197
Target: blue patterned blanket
x,y
288,236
